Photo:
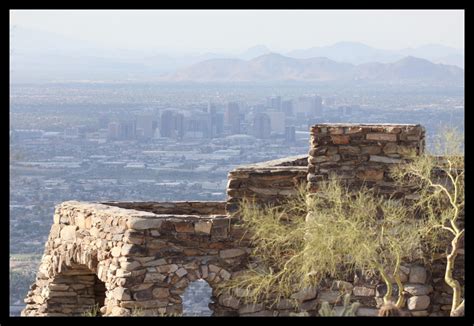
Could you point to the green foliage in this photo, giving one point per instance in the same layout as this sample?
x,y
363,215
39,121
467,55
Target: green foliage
x,y
348,308
94,311
331,233
439,182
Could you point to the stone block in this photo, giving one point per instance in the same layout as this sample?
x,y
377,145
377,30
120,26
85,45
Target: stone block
x,y
418,302
229,301
340,139
161,293
362,291
203,227
305,294
418,289
68,233
384,159
138,223
231,253
381,137
417,275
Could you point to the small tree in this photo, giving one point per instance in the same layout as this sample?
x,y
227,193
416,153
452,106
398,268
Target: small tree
x,y
330,233
439,184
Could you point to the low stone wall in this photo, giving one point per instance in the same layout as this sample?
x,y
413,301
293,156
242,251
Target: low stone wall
x,y
175,207
362,154
267,183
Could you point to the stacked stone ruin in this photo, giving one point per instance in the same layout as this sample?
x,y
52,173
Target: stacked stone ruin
x,y
138,258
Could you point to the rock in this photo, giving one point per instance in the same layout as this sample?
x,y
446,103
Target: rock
x,y
138,223
390,148
118,311
353,150
229,301
181,272
156,262
115,252
418,302
129,266
362,291
421,313
286,304
418,289
370,174
249,308
161,293
369,312
184,227
329,296
231,253
154,277
68,233
167,269
224,274
305,294
417,275
340,139
342,286
381,137
120,293
372,150
203,227
384,159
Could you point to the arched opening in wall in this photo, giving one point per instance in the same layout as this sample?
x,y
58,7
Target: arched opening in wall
x,y
76,291
196,299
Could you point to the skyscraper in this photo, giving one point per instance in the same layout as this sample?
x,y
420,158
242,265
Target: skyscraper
x,y
145,124
261,126
167,125
232,117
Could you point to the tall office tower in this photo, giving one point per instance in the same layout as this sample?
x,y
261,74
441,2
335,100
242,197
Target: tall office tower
x,y
287,107
233,118
318,106
145,125
113,130
309,106
261,126
179,125
167,125
127,129
274,103
277,121
217,124
290,134
103,121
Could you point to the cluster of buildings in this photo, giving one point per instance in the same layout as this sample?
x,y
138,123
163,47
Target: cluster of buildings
x,y
276,117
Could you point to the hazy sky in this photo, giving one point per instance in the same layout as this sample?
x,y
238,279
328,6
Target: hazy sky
x,y
235,30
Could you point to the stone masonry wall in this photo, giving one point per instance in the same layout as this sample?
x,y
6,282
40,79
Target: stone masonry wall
x,y
362,153
267,182
138,258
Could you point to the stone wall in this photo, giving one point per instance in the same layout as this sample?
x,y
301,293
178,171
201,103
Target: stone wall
x,y
267,182
175,207
362,154
138,258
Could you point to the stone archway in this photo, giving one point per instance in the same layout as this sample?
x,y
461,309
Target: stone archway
x,y
76,291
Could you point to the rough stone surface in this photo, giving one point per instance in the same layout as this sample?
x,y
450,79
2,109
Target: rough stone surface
x,y
418,302
169,258
417,275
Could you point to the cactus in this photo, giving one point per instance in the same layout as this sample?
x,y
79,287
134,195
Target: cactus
x,y
348,309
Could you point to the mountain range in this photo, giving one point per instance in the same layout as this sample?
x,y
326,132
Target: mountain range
x,y
44,56
277,67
